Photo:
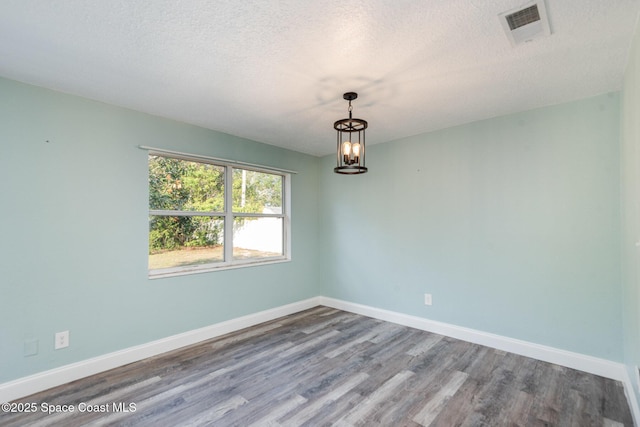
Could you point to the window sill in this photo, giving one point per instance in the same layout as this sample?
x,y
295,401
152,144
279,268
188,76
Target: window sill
x,y
184,271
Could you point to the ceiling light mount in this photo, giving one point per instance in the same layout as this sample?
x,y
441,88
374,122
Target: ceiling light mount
x,y
350,96
350,156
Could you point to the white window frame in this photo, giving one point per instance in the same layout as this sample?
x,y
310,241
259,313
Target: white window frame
x,y
229,216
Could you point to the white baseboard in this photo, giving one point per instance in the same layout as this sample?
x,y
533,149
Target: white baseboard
x,y
632,397
593,365
590,364
38,382
44,380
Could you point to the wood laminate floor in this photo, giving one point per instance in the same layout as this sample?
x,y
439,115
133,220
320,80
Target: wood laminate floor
x,y
325,367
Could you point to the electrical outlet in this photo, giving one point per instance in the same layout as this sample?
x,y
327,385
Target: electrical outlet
x,y
62,340
427,299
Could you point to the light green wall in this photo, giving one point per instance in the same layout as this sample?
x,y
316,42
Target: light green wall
x,y
73,231
630,174
512,224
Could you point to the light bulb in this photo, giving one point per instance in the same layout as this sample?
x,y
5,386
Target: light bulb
x,y
346,152
346,148
356,149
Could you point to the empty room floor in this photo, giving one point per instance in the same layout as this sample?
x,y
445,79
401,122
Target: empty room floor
x,y
329,367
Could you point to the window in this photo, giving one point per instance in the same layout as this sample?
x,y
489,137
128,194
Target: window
x,y
205,215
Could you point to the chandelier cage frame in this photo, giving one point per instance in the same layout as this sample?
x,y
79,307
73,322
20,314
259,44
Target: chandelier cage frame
x,y
350,142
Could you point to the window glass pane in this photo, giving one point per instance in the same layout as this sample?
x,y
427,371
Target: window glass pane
x,y
176,184
257,237
178,241
257,192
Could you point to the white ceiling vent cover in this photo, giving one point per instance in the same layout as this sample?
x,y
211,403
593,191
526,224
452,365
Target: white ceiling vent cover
x,y
526,23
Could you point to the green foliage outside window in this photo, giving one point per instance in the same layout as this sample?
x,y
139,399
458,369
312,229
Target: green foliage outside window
x,y
181,185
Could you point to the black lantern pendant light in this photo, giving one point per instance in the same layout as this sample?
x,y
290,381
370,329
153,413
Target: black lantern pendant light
x,y
351,141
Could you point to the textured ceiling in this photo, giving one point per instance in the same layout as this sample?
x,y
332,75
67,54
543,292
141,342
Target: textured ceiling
x,y
275,70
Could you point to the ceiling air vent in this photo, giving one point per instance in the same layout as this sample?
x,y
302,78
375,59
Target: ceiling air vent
x,y
526,23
